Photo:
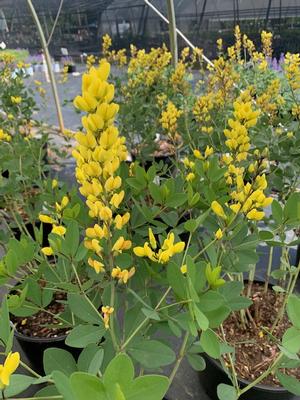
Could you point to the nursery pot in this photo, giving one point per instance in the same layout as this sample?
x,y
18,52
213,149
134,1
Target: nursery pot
x,y
34,348
70,68
46,231
214,374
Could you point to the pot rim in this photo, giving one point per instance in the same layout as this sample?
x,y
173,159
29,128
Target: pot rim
x,y
245,382
37,339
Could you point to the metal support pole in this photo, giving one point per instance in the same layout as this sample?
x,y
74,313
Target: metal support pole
x,y
49,66
172,32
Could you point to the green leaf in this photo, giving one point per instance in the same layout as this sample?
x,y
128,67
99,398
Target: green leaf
x,y
151,314
210,343
90,359
190,225
156,193
211,300
291,340
18,383
289,382
201,319
176,200
277,211
226,392
196,361
148,387
71,241
87,387
152,353
83,309
176,279
59,360
120,370
47,391
266,235
293,310
63,385
4,322
82,335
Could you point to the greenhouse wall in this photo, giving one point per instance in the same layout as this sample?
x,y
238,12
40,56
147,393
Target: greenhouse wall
x,y
82,23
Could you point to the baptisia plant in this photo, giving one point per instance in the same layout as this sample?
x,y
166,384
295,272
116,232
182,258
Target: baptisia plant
x,y
147,268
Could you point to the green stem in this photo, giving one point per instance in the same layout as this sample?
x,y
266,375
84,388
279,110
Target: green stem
x,y
204,249
180,357
262,376
25,366
269,269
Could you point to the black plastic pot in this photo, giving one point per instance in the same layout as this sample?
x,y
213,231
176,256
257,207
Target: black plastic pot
x,y
214,374
70,68
46,231
34,348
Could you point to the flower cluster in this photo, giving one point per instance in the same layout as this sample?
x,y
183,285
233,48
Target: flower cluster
x,y
162,255
99,153
5,137
238,141
145,68
55,220
266,40
292,70
169,119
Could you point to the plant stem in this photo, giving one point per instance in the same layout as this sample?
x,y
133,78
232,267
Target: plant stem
x,y
49,66
233,372
269,269
140,326
25,366
180,357
262,376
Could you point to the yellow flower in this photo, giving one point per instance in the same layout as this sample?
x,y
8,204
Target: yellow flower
x,y
255,215
10,365
16,99
198,154
59,230
290,134
219,234
54,183
218,209
105,214
208,151
48,251
46,219
120,221
190,177
97,265
107,311
121,244
183,269
152,239
122,275
117,199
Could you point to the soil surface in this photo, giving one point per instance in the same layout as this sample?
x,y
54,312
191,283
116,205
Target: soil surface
x,y
41,324
254,350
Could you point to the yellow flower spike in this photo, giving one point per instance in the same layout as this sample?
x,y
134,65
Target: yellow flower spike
x,y
58,230
47,251
97,265
152,239
11,363
219,234
218,209
46,219
106,311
